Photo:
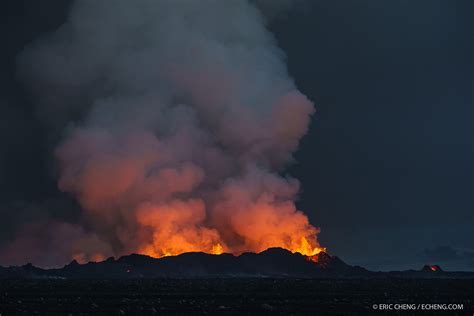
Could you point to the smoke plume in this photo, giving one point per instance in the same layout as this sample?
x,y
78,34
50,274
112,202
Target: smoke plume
x,y
177,119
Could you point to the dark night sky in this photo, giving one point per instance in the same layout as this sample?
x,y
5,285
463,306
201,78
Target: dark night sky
x,y
387,166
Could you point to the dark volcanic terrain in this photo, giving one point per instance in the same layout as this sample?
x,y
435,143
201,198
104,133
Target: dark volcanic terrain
x,y
272,282
231,296
273,262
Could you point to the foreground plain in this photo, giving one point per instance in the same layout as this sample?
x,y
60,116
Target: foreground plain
x,y
254,296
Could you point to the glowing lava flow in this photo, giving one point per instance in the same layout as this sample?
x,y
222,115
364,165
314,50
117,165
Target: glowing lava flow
x,y
180,226
305,248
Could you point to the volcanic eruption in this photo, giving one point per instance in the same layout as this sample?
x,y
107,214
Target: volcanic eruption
x,y
177,122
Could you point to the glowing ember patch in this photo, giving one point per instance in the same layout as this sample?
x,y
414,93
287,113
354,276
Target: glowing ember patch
x,y
434,268
314,259
80,258
217,249
307,249
97,257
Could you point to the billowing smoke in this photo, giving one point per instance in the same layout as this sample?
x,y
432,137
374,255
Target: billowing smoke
x,y
178,117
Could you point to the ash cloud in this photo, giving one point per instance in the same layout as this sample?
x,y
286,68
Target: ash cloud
x,y
177,121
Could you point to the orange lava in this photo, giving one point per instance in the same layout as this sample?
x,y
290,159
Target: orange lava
x,y
181,226
305,248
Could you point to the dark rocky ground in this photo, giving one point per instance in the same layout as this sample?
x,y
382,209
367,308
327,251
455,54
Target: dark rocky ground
x,y
229,296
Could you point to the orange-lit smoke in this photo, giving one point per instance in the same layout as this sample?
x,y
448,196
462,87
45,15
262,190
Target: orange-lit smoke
x,y
174,210
179,121
179,227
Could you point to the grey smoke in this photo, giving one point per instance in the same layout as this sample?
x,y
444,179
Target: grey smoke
x,y
163,105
